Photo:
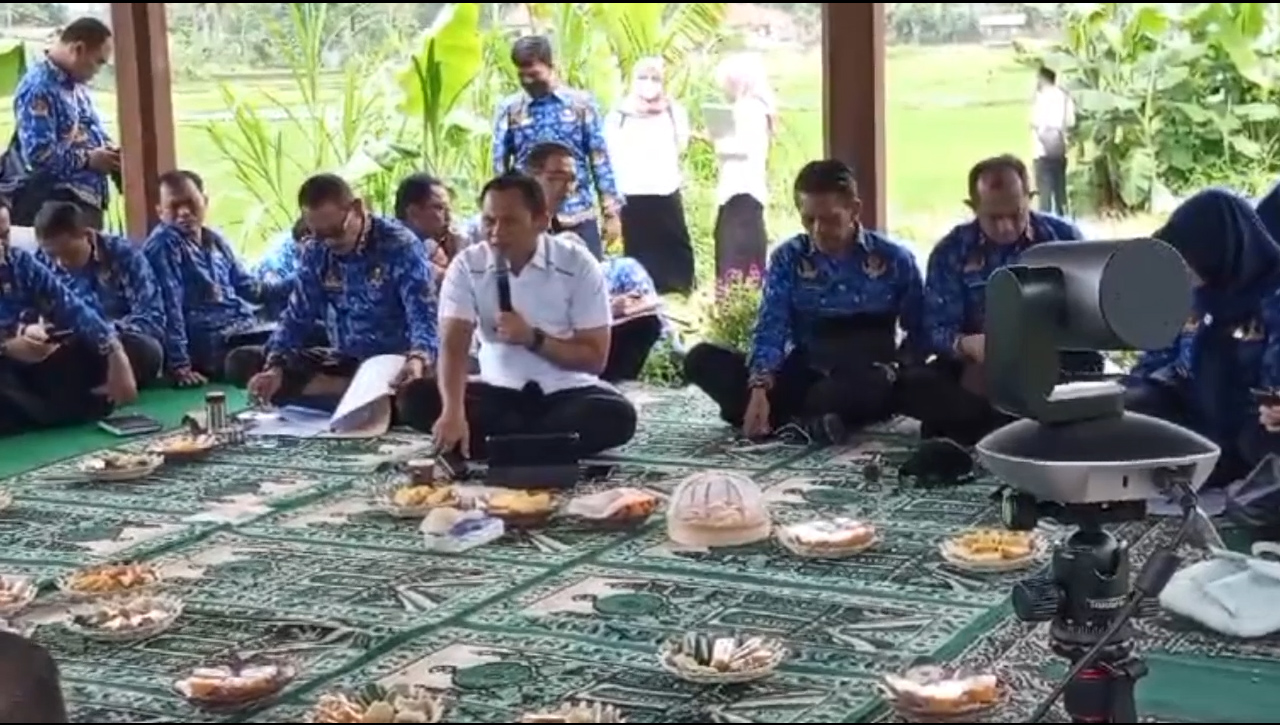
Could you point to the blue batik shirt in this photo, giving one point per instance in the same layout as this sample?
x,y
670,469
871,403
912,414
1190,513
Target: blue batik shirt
x,y
956,282
381,295
57,127
206,291
117,283
626,276
275,272
568,117
28,286
803,284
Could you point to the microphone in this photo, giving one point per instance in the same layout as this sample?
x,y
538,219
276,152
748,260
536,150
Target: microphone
x,y
504,285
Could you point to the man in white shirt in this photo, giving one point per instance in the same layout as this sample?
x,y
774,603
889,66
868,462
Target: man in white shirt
x,y
1053,114
544,340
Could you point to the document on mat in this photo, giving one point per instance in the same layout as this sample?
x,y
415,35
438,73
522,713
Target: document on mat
x,y
372,385
289,422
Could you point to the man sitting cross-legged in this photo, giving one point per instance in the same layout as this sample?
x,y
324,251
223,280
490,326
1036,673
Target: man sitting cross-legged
x,y
66,370
110,276
541,354
370,272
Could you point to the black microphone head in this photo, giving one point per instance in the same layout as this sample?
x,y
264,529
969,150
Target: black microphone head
x,y
504,285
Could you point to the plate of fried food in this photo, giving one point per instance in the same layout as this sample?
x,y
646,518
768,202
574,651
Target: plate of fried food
x,y
185,447
118,467
581,711
619,508
415,501
375,703
16,594
993,550
109,580
717,659
521,509
828,539
127,619
237,683
936,694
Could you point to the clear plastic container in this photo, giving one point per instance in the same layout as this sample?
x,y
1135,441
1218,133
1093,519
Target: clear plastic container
x,y
717,508
450,531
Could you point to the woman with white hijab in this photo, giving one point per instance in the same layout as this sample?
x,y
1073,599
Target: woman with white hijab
x,y
742,151
646,135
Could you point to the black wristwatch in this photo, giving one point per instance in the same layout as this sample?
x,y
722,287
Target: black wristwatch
x,y
539,339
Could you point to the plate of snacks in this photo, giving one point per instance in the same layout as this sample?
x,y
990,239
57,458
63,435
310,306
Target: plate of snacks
x,y
235,684
616,508
375,703
109,580
576,712
185,447
125,620
521,509
414,501
829,539
721,659
936,694
992,550
119,467
16,594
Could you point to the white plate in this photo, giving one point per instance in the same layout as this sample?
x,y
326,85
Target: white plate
x,y
120,475
790,543
171,606
27,591
287,672
1038,549
383,500
667,660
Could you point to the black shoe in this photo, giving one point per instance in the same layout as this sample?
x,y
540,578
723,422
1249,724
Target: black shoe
x,y
825,430
938,462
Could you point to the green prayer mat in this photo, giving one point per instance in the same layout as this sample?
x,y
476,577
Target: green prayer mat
x,y
275,549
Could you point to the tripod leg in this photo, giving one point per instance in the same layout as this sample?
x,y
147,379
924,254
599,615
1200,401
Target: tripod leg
x,y
1087,698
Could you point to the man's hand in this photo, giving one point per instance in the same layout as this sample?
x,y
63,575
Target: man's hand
x,y
755,424
27,349
451,432
120,387
1269,417
104,159
514,330
973,347
619,304
415,368
186,377
611,229
264,386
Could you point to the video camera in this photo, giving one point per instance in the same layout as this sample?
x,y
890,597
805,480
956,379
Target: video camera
x,y
1075,455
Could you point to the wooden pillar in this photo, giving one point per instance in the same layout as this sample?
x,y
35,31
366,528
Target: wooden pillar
x,y
145,105
853,44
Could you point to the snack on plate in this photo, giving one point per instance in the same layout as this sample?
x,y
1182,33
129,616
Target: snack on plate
x,y
128,618
520,503
935,691
109,579
239,682
423,497
986,546
836,535
115,461
16,592
580,712
380,704
185,445
721,658
619,504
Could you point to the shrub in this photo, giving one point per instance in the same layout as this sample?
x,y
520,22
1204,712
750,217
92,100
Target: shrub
x,y
731,316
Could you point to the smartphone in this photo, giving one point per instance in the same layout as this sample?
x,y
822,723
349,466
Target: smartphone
x,y
1269,398
59,335
130,424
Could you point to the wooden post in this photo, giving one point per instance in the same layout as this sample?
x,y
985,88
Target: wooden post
x,y
853,65
144,99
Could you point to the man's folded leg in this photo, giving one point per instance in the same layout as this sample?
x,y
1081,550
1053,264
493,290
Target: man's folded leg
x,y
602,417
629,346
146,356
59,390
314,374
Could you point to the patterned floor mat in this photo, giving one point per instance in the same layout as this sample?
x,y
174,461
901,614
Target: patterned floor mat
x,y
276,548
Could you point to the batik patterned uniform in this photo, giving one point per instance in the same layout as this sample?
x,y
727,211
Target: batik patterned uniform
x,y
57,127
117,283
28,286
275,271
626,276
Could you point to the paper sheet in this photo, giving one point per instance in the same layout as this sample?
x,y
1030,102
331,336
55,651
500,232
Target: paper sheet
x,y
361,407
371,384
290,421
719,120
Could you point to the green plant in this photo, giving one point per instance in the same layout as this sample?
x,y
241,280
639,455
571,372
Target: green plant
x,y
663,367
731,316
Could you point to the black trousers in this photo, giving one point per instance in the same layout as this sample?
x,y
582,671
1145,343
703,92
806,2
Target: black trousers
x,y
55,392
146,356
932,394
860,397
32,688
602,417
1170,402
655,234
629,345
209,352
1051,184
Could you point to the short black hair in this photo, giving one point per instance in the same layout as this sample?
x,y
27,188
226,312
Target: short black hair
x,y
299,230
540,154
826,176
56,218
995,165
1047,75
324,189
529,188
414,189
31,690
532,49
175,178
90,31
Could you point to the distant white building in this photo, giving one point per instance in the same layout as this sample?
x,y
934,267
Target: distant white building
x,y
1002,29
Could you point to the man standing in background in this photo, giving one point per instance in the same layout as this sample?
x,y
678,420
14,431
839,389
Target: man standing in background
x,y
1053,114
546,111
61,150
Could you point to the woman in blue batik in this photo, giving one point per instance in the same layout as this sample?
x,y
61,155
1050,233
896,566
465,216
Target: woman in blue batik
x,y
638,322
